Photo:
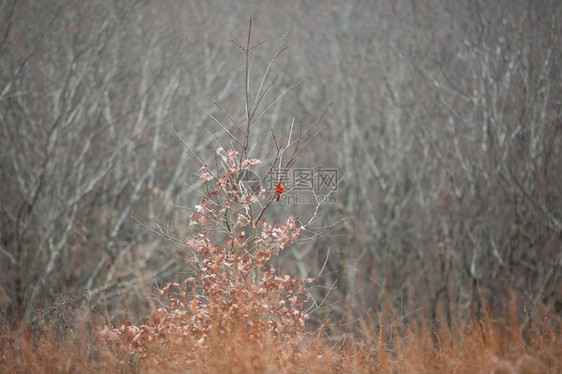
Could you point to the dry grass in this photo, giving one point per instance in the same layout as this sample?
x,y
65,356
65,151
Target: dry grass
x,y
506,345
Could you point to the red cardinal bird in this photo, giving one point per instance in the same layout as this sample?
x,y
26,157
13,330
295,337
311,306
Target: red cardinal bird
x,y
279,190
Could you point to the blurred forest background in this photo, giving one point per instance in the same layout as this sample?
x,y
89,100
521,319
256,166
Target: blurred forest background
x,y
445,125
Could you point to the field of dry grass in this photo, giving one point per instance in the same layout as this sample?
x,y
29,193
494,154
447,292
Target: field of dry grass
x,y
488,345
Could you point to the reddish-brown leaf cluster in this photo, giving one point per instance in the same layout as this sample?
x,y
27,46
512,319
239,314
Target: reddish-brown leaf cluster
x,y
233,288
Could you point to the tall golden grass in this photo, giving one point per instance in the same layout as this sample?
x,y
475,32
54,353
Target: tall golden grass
x,y
488,345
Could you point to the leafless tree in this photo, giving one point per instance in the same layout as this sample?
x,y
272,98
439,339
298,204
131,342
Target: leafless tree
x,y
445,127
